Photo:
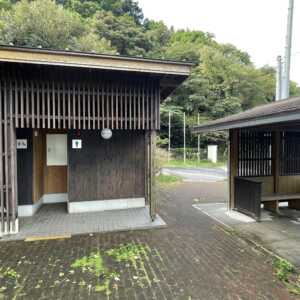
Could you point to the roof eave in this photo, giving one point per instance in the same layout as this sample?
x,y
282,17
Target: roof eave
x,y
93,61
266,120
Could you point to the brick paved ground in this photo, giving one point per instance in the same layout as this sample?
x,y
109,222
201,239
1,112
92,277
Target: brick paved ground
x,y
192,259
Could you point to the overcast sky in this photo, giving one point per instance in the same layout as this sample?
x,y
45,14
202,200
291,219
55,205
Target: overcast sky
x,y
255,26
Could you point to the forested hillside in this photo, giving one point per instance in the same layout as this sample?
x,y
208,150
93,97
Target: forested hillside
x,y
224,80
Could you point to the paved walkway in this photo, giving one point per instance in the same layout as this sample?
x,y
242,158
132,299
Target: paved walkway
x,y
193,258
53,220
280,234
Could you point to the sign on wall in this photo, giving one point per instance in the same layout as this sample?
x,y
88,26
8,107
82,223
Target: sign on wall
x,y
106,133
22,144
76,144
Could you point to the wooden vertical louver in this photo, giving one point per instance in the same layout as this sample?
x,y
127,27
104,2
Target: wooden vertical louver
x,y
55,105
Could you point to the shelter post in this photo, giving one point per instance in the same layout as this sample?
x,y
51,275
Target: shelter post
x,y
233,163
151,174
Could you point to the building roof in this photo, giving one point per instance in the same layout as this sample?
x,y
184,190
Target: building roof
x,y
92,60
170,73
275,112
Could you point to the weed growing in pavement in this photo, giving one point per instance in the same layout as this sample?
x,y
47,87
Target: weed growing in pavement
x,y
94,264
130,252
134,254
283,269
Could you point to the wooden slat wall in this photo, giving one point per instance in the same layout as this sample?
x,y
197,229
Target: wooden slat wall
x,y
84,105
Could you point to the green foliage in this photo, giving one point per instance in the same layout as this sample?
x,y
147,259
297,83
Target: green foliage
x,y
125,35
186,44
5,4
93,264
283,269
42,23
85,8
9,273
128,253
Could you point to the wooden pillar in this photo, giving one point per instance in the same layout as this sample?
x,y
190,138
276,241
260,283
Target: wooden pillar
x,y
276,159
8,164
12,149
233,163
151,175
2,219
147,168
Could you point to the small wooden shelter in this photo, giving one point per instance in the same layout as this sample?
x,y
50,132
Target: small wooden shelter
x,y
79,128
264,156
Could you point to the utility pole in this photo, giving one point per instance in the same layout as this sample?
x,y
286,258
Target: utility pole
x,y
279,79
199,139
169,145
184,141
287,58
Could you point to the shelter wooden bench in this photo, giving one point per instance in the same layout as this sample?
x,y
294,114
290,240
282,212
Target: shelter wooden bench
x,y
271,202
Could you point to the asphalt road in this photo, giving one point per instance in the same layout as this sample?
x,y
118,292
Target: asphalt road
x,y
198,174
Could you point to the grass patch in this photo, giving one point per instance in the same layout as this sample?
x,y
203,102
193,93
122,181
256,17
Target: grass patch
x,y
134,254
94,264
130,252
168,179
194,164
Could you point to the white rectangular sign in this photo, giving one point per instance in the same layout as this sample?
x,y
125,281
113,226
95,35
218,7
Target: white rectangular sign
x,y
21,144
76,144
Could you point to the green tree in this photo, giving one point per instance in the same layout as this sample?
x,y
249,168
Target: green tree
x,y
85,8
186,44
125,35
46,24
158,35
88,8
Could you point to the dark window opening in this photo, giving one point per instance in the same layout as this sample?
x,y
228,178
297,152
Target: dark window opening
x,y
255,153
290,153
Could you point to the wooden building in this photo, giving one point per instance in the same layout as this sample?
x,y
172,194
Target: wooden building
x,y
79,128
264,156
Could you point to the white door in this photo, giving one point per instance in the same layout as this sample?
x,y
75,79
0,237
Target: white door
x,y
57,150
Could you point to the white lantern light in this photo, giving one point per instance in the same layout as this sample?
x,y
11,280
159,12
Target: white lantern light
x,y
106,133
